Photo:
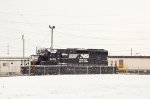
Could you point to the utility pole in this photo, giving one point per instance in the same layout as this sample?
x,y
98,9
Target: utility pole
x,y
8,49
51,27
23,45
23,49
36,49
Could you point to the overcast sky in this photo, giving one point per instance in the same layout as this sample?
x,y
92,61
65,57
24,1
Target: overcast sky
x,y
115,25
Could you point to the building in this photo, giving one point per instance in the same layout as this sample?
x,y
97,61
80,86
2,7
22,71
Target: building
x,y
132,64
12,65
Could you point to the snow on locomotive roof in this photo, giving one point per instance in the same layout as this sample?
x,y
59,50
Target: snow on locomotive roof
x,y
89,49
83,49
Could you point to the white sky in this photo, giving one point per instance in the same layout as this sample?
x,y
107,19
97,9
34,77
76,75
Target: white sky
x,y
115,25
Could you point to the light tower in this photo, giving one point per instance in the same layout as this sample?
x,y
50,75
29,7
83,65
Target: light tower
x,y
23,45
51,27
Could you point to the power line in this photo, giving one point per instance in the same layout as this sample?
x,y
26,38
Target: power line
x,y
102,38
60,15
82,36
17,22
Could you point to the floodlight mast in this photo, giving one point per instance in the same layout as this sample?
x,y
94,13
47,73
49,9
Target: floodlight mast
x,y
23,46
51,27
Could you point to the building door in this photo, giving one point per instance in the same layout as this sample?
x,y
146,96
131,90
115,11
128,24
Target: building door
x,y
12,67
121,63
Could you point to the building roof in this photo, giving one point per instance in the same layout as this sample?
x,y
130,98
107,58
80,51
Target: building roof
x,y
14,58
128,56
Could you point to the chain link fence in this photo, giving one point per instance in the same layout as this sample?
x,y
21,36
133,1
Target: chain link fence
x,y
61,70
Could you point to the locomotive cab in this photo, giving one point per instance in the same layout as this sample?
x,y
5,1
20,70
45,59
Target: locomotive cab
x,y
34,59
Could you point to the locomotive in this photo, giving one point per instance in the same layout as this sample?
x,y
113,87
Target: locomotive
x,y
69,61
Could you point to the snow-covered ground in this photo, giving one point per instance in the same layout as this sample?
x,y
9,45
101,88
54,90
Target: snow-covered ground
x,y
76,87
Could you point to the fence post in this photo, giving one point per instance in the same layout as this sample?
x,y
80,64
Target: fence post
x,y
74,70
59,70
44,69
100,69
0,70
138,70
87,70
29,70
113,69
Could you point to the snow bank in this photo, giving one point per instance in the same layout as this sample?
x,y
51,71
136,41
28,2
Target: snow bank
x,y
76,87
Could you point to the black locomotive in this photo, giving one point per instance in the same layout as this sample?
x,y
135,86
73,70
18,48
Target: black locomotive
x,y
69,61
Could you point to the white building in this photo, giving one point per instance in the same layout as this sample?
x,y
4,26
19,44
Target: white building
x,y
132,63
12,65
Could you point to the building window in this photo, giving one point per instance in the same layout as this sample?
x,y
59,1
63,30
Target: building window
x,y
5,64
